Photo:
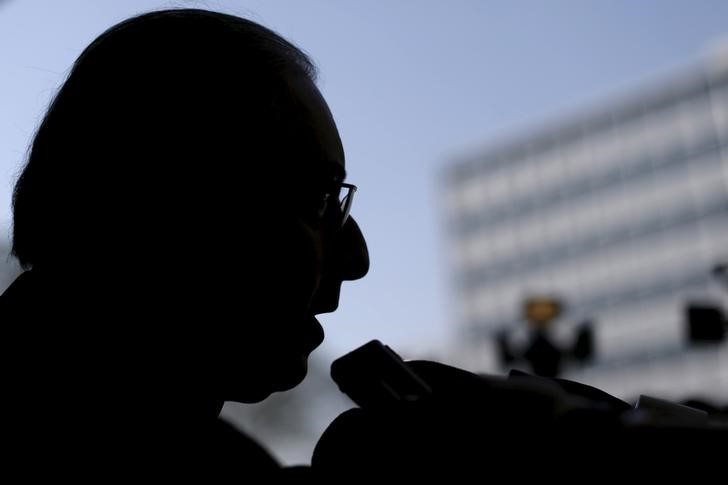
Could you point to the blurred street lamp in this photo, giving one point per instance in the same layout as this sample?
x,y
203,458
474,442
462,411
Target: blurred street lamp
x,y
544,357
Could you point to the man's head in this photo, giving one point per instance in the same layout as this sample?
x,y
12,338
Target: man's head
x,y
189,166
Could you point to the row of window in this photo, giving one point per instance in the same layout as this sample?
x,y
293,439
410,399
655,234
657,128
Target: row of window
x,y
496,256
503,203
641,328
605,271
610,282
645,127
602,216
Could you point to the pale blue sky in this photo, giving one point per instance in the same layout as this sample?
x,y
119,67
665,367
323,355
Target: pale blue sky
x,y
411,84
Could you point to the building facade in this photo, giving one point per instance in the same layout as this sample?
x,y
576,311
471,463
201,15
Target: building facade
x,y
621,212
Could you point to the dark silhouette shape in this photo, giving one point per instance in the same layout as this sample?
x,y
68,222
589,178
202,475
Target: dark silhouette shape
x,y
543,355
505,353
521,427
706,323
182,218
583,349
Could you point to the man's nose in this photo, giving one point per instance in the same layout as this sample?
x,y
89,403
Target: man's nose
x,y
352,253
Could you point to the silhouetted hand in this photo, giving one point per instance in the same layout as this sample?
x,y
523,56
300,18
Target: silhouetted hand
x,y
520,427
467,417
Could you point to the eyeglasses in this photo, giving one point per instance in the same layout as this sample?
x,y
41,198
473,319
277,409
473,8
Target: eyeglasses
x,y
346,198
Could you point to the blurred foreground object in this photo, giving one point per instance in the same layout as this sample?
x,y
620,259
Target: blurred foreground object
x,y
706,323
491,425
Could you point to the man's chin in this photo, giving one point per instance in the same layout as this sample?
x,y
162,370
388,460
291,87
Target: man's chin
x,y
284,380
292,376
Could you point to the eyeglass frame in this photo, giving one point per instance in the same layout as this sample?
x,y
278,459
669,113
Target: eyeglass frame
x,y
346,203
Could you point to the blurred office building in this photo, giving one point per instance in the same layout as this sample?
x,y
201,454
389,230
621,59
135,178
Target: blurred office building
x,y
621,215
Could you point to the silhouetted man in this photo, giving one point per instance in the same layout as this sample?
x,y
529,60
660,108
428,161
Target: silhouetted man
x,y
182,219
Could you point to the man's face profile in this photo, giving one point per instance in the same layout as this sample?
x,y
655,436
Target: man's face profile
x,y
296,261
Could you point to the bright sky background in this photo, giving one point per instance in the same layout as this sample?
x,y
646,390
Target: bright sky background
x,y
411,84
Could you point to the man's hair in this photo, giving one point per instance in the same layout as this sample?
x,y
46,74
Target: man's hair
x,y
155,115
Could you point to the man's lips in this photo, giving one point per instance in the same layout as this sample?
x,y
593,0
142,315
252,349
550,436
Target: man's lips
x,y
326,309
326,299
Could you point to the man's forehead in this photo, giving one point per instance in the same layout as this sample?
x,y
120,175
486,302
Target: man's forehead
x,y
316,171
334,169
316,128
